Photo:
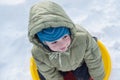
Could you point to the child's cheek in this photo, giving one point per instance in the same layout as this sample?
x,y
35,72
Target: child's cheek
x,y
53,47
68,40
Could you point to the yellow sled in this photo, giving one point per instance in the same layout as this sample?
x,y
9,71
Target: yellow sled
x,y
105,57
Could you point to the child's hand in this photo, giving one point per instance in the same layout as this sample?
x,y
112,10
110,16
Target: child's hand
x,y
69,76
91,78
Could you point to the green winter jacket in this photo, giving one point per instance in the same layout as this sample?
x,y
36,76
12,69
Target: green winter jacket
x,y
83,47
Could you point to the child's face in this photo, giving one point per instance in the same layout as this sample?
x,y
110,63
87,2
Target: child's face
x,y
61,44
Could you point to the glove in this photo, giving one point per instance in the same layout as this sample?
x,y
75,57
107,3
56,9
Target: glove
x,y
91,78
69,76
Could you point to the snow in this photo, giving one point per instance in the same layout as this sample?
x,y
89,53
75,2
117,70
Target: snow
x,y
100,17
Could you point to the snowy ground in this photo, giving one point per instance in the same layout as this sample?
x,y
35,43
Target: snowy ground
x,y
100,17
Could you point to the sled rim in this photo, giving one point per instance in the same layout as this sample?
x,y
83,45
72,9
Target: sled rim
x,y
106,59
33,70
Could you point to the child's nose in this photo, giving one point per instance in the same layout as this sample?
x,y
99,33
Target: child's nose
x,y
62,43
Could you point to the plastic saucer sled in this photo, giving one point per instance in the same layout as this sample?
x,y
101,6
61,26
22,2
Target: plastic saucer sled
x,y
105,57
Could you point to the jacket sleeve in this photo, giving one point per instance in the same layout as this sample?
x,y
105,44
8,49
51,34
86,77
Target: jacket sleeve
x,y
50,73
93,59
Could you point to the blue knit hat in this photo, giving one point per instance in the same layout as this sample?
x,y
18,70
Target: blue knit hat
x,y
52,33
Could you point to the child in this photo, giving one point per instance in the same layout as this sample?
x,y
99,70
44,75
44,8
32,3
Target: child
x,y
61,47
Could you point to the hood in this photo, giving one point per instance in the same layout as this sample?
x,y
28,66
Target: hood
x,y
47,14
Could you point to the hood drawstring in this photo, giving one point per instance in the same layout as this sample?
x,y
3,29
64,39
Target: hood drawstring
x,y
56,55
60,59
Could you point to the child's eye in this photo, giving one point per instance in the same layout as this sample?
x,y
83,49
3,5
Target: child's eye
x,y
65,36
54,42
